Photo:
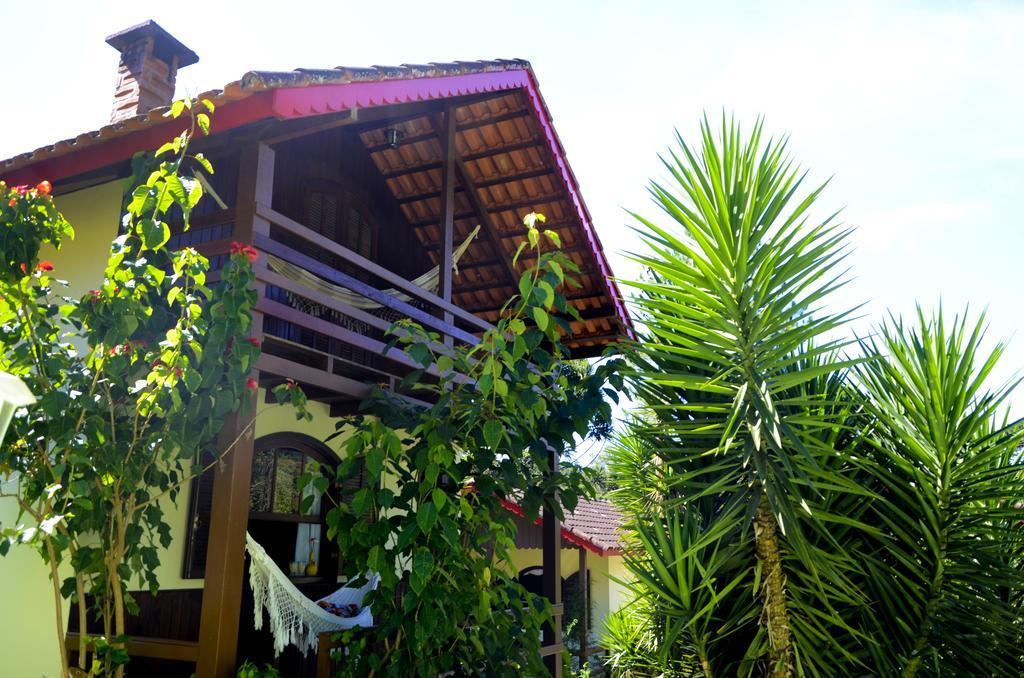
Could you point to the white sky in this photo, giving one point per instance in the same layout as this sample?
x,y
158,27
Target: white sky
x,y
914,107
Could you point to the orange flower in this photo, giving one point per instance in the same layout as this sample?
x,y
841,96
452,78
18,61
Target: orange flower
x,y
45,266
44,188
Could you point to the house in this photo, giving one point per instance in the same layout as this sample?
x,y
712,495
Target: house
x,y
365,178
592,544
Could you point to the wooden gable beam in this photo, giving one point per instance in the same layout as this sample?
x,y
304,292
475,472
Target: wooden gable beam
x,y
448,211
497,181
489,229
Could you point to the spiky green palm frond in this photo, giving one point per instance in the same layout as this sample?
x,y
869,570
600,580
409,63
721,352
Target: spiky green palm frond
x,y
949,578
735,363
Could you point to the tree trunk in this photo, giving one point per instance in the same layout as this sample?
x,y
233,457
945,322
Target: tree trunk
x,y
773,592
58,604
83,630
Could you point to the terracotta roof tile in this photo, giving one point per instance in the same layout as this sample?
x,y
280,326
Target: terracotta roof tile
x,y
595,525
597,521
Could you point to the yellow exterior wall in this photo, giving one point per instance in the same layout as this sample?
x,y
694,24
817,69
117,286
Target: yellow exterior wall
x,y
28,633
93,213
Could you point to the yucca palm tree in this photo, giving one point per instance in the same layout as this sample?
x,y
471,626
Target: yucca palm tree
x,y
948,578
733,338
811,514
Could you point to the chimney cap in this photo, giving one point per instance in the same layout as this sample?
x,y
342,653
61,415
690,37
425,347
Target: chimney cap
x,y
165,45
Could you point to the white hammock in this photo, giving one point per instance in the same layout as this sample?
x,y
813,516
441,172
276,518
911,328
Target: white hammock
x,y
429,281
294,618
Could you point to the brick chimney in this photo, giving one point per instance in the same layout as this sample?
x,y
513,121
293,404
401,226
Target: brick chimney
x,y
150,59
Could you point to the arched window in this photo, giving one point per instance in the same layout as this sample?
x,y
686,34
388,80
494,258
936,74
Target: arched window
x,y
275,518
293,537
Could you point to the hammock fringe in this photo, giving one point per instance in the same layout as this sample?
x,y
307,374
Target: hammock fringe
x,y
294,618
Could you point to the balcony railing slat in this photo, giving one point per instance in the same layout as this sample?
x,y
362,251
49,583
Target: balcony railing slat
x,y
359,287
361,341
265,275
393,279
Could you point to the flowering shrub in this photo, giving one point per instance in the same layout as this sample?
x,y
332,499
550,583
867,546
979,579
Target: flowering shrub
x,y
27,218
123,424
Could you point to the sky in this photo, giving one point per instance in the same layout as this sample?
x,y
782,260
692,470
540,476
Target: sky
x,y
913,108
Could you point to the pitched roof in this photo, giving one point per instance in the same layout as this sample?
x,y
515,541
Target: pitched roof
x,y
255,82
510,161
595,525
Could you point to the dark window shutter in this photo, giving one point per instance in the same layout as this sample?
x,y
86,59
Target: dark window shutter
x,y
197,532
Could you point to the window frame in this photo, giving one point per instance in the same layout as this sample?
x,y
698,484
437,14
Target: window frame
x,y
309,447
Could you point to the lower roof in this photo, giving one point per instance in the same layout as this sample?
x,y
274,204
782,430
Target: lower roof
x,y
595,525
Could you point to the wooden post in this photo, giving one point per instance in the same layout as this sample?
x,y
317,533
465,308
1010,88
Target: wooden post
x,y
229,511
447,214
585,600
551,536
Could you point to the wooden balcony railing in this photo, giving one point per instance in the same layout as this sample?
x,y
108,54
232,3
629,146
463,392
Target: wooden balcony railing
x,y
316,338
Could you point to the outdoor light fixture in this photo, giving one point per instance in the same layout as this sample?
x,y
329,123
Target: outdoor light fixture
x,y
393,136
13,394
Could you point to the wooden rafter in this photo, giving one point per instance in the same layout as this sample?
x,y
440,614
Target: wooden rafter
x,y
473,124
469,157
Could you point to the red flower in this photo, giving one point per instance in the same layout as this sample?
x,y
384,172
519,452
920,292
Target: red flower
x,y
21,189
250,252
12,202
254,341
251,384
290,384
44,188
24,269
44,266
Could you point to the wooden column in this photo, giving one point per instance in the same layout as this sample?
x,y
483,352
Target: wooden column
x,y
551,536
585,598
229,512
447,213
